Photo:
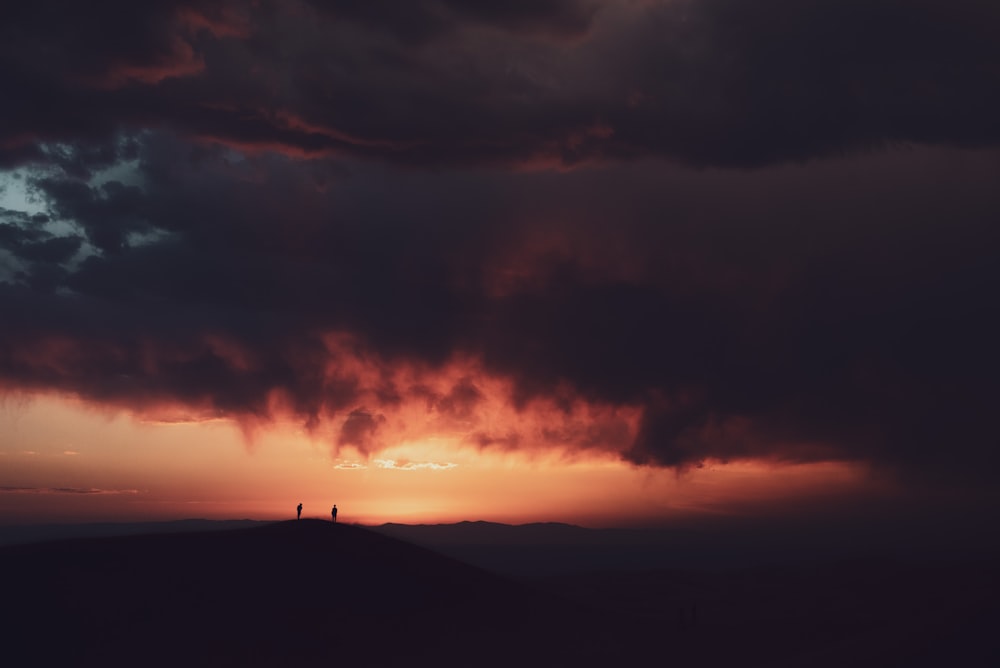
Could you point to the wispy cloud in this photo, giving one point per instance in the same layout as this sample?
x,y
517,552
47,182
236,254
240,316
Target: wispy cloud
x,y
66,490
413,466
349,466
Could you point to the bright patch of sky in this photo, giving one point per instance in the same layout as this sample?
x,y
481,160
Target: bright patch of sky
x,y
126,172
146,238
413,466
16,195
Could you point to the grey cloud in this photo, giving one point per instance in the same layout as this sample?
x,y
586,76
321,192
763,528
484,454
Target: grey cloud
x,y
830,299
704,82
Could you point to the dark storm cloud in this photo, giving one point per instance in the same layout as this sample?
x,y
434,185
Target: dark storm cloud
x,y
108,214
558,17
720,82
838,309
461,401
41,252
840,312
421,20
50,249
107,42
360,430
57,58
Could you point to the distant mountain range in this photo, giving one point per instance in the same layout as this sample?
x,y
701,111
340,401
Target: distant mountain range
x,y
551,548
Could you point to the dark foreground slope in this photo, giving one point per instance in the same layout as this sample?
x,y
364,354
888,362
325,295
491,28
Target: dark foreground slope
x,y
292,593
309,593
764,598
871,613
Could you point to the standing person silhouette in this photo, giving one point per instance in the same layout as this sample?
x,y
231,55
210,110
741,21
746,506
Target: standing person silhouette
x,y
299,509
334,513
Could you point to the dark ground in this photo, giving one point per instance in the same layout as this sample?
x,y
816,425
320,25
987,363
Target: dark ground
x,y
291,593
303,593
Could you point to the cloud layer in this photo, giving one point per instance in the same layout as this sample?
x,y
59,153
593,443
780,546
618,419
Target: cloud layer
x,y
673,232
560,82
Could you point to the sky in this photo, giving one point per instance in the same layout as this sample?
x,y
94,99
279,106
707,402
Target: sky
x,y
610,262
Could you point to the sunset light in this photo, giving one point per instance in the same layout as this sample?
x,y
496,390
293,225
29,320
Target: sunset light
x,y
77,463
500,332
597,262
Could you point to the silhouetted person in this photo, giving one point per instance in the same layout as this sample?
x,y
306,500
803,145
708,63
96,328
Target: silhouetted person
x,y
334,513
299,509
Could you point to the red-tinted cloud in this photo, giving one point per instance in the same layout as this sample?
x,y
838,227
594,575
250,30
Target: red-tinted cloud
x,y
708,82
350,221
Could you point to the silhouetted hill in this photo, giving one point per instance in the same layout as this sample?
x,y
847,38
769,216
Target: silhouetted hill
x,y
551,547
555,549
34,533
867,612
704,599
285,594
304,593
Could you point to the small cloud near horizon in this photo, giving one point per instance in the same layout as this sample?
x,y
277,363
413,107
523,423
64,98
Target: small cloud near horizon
x,y
403,465
66,490
349,466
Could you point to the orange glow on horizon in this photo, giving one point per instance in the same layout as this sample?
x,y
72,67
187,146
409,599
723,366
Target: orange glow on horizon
x,y
63,461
